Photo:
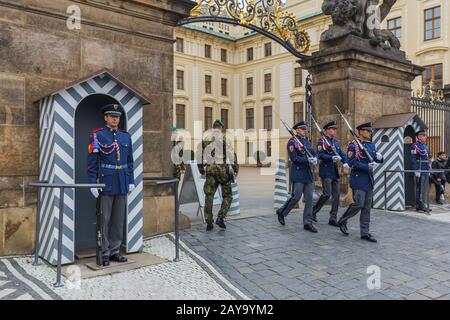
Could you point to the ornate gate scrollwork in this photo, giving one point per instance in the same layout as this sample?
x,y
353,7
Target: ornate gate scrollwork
x,y
263,16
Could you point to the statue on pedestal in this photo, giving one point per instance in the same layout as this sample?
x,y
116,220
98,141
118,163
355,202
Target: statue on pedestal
x,y
362,18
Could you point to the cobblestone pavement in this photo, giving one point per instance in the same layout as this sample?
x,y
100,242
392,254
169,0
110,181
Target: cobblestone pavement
x,y
269,261
190,278
257,258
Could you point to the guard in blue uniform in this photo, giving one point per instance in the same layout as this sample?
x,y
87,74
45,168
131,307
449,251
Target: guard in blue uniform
x,y
110,162
301,176
361,181
330,154
420,160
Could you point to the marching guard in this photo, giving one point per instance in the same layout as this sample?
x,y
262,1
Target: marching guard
x,y
363,158
330,154
303,157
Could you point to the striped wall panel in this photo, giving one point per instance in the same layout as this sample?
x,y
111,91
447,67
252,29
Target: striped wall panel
x,y
57,116
392,152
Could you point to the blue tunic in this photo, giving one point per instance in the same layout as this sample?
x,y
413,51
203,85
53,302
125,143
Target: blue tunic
x,y
300,169
420,155
361,177
106,166
328,169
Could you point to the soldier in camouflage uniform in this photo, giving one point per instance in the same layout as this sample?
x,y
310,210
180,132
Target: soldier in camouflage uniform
x,y
215,165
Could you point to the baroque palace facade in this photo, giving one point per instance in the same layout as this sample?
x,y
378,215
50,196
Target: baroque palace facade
x,y
249,81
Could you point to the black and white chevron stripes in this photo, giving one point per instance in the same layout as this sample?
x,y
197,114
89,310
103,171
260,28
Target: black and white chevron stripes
x,y
393,153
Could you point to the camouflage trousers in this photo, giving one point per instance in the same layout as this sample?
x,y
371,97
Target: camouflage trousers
x,y
210,188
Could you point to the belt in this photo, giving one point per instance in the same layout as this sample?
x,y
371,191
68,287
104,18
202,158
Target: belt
x,y
115,167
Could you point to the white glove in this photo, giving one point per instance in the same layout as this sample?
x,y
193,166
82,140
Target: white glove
x,y
313,161
417,174
95,192
373,165
379,156
336,158
131,187
346,166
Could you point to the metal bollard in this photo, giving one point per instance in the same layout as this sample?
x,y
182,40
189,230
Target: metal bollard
x,y
60,236
37,229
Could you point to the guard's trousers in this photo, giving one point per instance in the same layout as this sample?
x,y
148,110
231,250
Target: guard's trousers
x,y
422,187
306,189
114,209
330,189
362,202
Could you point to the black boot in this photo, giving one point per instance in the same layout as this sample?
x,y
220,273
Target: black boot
x,y
221,223
209,227
310,228
281,218
118,258
369,238
343,228
333,223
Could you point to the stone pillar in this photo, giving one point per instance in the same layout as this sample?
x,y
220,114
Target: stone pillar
x,y
366,82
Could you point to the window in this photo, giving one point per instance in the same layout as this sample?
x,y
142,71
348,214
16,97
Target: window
x,y
250,86
433,23
298,111
269,148
433,74
224,117
224,85
249,54
207,51
298,77
223,55
395,26
208,80
268,118
180,79
180,116
249,118
208,118
180,45
249,149
268,82
268,49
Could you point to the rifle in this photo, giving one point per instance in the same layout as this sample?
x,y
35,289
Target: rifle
x,y
360,145
322,133
99,235
299,143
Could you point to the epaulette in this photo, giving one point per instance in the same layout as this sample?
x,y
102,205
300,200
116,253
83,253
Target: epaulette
x,y
95,131
122,131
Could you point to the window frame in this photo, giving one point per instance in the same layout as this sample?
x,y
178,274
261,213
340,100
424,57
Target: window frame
x,y
268,118
433,22
177,113
180,87
208,80
208,53
267,82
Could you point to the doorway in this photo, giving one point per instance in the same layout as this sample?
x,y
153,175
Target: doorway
x,y
88,116
410,183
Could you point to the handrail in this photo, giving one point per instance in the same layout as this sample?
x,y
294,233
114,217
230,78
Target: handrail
x,y
174,182
61,187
